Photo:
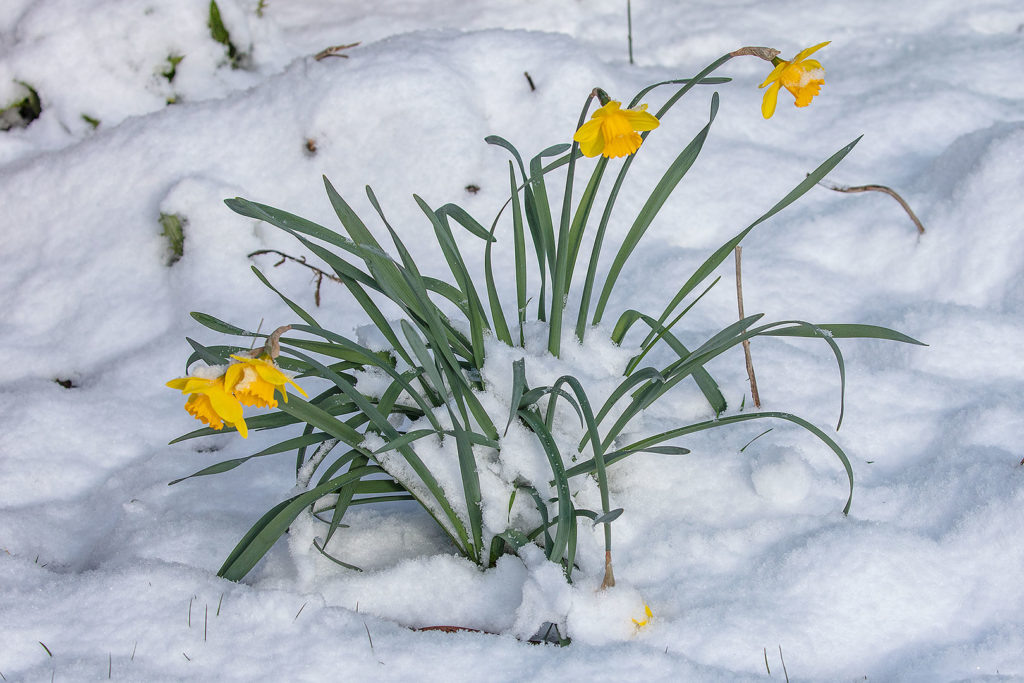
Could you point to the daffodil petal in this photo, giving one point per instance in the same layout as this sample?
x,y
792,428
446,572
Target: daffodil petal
x,y
233,375
771,98
589,137
300,389
775,74
226,406
804,54
641,120
590,129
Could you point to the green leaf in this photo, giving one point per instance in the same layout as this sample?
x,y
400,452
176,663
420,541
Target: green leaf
x,y
471,489
287,445
608,517
565,519
218,325
722,421
652,206
704,380
299,311
264,534
847,331
726,249
404,440
205,354
518,386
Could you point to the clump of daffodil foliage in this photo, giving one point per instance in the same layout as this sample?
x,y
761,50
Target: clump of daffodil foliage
x,y
414,417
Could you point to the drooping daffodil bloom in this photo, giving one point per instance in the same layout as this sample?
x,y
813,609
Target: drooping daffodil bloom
x,y
640,624
801,76
254,380
210,402
612,131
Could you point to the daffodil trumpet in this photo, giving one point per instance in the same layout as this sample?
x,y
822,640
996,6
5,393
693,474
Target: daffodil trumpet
x,y
612,131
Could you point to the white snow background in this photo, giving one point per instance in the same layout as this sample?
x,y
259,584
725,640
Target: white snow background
x,y
107,571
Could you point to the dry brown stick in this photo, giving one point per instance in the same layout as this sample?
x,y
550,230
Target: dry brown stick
x,y
879,188
301,260
333,51
746,342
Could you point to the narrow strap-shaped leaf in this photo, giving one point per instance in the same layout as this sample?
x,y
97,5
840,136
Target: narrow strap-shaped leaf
x,y
656,333
499,323
204,353
286,445
727,249
722,421
716,345
291,223
452,254
519,240
565,517
218,325
466,220
335,405
471,489
683,81
595,440
545,525
380,422
426,361
258,540
404,440
847,331
582,215
652,206
371,358
299,311
702,377
518,387
560,267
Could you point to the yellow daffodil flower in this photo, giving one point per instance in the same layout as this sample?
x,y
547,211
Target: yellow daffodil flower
x,y
254,380
612,131
211,402
641,624
803,77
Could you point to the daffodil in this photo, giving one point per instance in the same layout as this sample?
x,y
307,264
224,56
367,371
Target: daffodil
x,y
254,380
210,402
801,76
640,624
612,131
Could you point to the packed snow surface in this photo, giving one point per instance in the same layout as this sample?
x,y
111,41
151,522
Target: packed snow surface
x,y
744,558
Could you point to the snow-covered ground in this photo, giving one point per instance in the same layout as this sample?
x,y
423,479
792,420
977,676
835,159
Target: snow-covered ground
x,y
106,569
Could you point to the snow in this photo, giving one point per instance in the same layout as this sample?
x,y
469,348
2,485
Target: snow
x,y
103,567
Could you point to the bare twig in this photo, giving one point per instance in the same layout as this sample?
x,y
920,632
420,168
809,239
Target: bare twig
x,y
786,673
301,260
333,51
878,188
530,81
746,342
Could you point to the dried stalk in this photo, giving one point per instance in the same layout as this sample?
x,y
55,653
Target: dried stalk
x,y
333,51
879,188
746,342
